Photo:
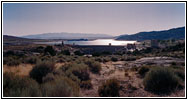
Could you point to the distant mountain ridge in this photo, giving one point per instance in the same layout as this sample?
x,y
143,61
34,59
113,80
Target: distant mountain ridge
x,y
65,35
174,33
12,38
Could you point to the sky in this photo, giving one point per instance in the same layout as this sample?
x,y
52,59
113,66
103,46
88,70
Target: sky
x,y
115,19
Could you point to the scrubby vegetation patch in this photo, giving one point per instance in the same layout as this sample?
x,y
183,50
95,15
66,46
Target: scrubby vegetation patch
x,y
109,88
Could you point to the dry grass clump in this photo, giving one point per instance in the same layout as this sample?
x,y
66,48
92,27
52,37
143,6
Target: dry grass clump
x,y
78,70
178,71
31,60
49,77
16,86
114,59
109,88
94,66
78,73
60,87
11,61
86,84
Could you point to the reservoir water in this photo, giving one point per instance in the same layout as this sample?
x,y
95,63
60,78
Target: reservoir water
x,y
91,42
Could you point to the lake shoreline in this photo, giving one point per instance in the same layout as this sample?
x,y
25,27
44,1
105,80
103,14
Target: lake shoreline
x,y
95,42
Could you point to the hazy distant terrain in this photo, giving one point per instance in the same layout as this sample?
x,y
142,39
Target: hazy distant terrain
x,y
175,33
64,35
12,38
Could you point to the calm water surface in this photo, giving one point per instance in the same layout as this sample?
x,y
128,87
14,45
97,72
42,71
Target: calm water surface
x,y
92,42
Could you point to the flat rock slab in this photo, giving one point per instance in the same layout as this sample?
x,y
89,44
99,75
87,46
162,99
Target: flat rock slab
x,y
165,61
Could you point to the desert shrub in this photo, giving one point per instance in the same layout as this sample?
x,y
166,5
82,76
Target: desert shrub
x,y
147,50
161,80
39,49
143,70
106,59
174,67
50,50
110,88
81,71
86,84
48,77
65,52
94,66
78,53
16,86
114,59
60,60
134,68
118,53
31,60
11,61
82,74
60,87
74,78
9,53
99,59
96,54
5,60
173,63
13,53
41,69
45,58
106,53
180,73
77,72
59,72
65,67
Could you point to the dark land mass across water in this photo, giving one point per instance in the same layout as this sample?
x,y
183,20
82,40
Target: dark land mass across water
x,y
175,33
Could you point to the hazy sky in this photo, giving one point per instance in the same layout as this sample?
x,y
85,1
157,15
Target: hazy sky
x,y
107,18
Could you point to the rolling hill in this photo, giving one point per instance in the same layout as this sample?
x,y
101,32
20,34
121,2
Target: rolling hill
x,y
64,35
175,33
13,38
